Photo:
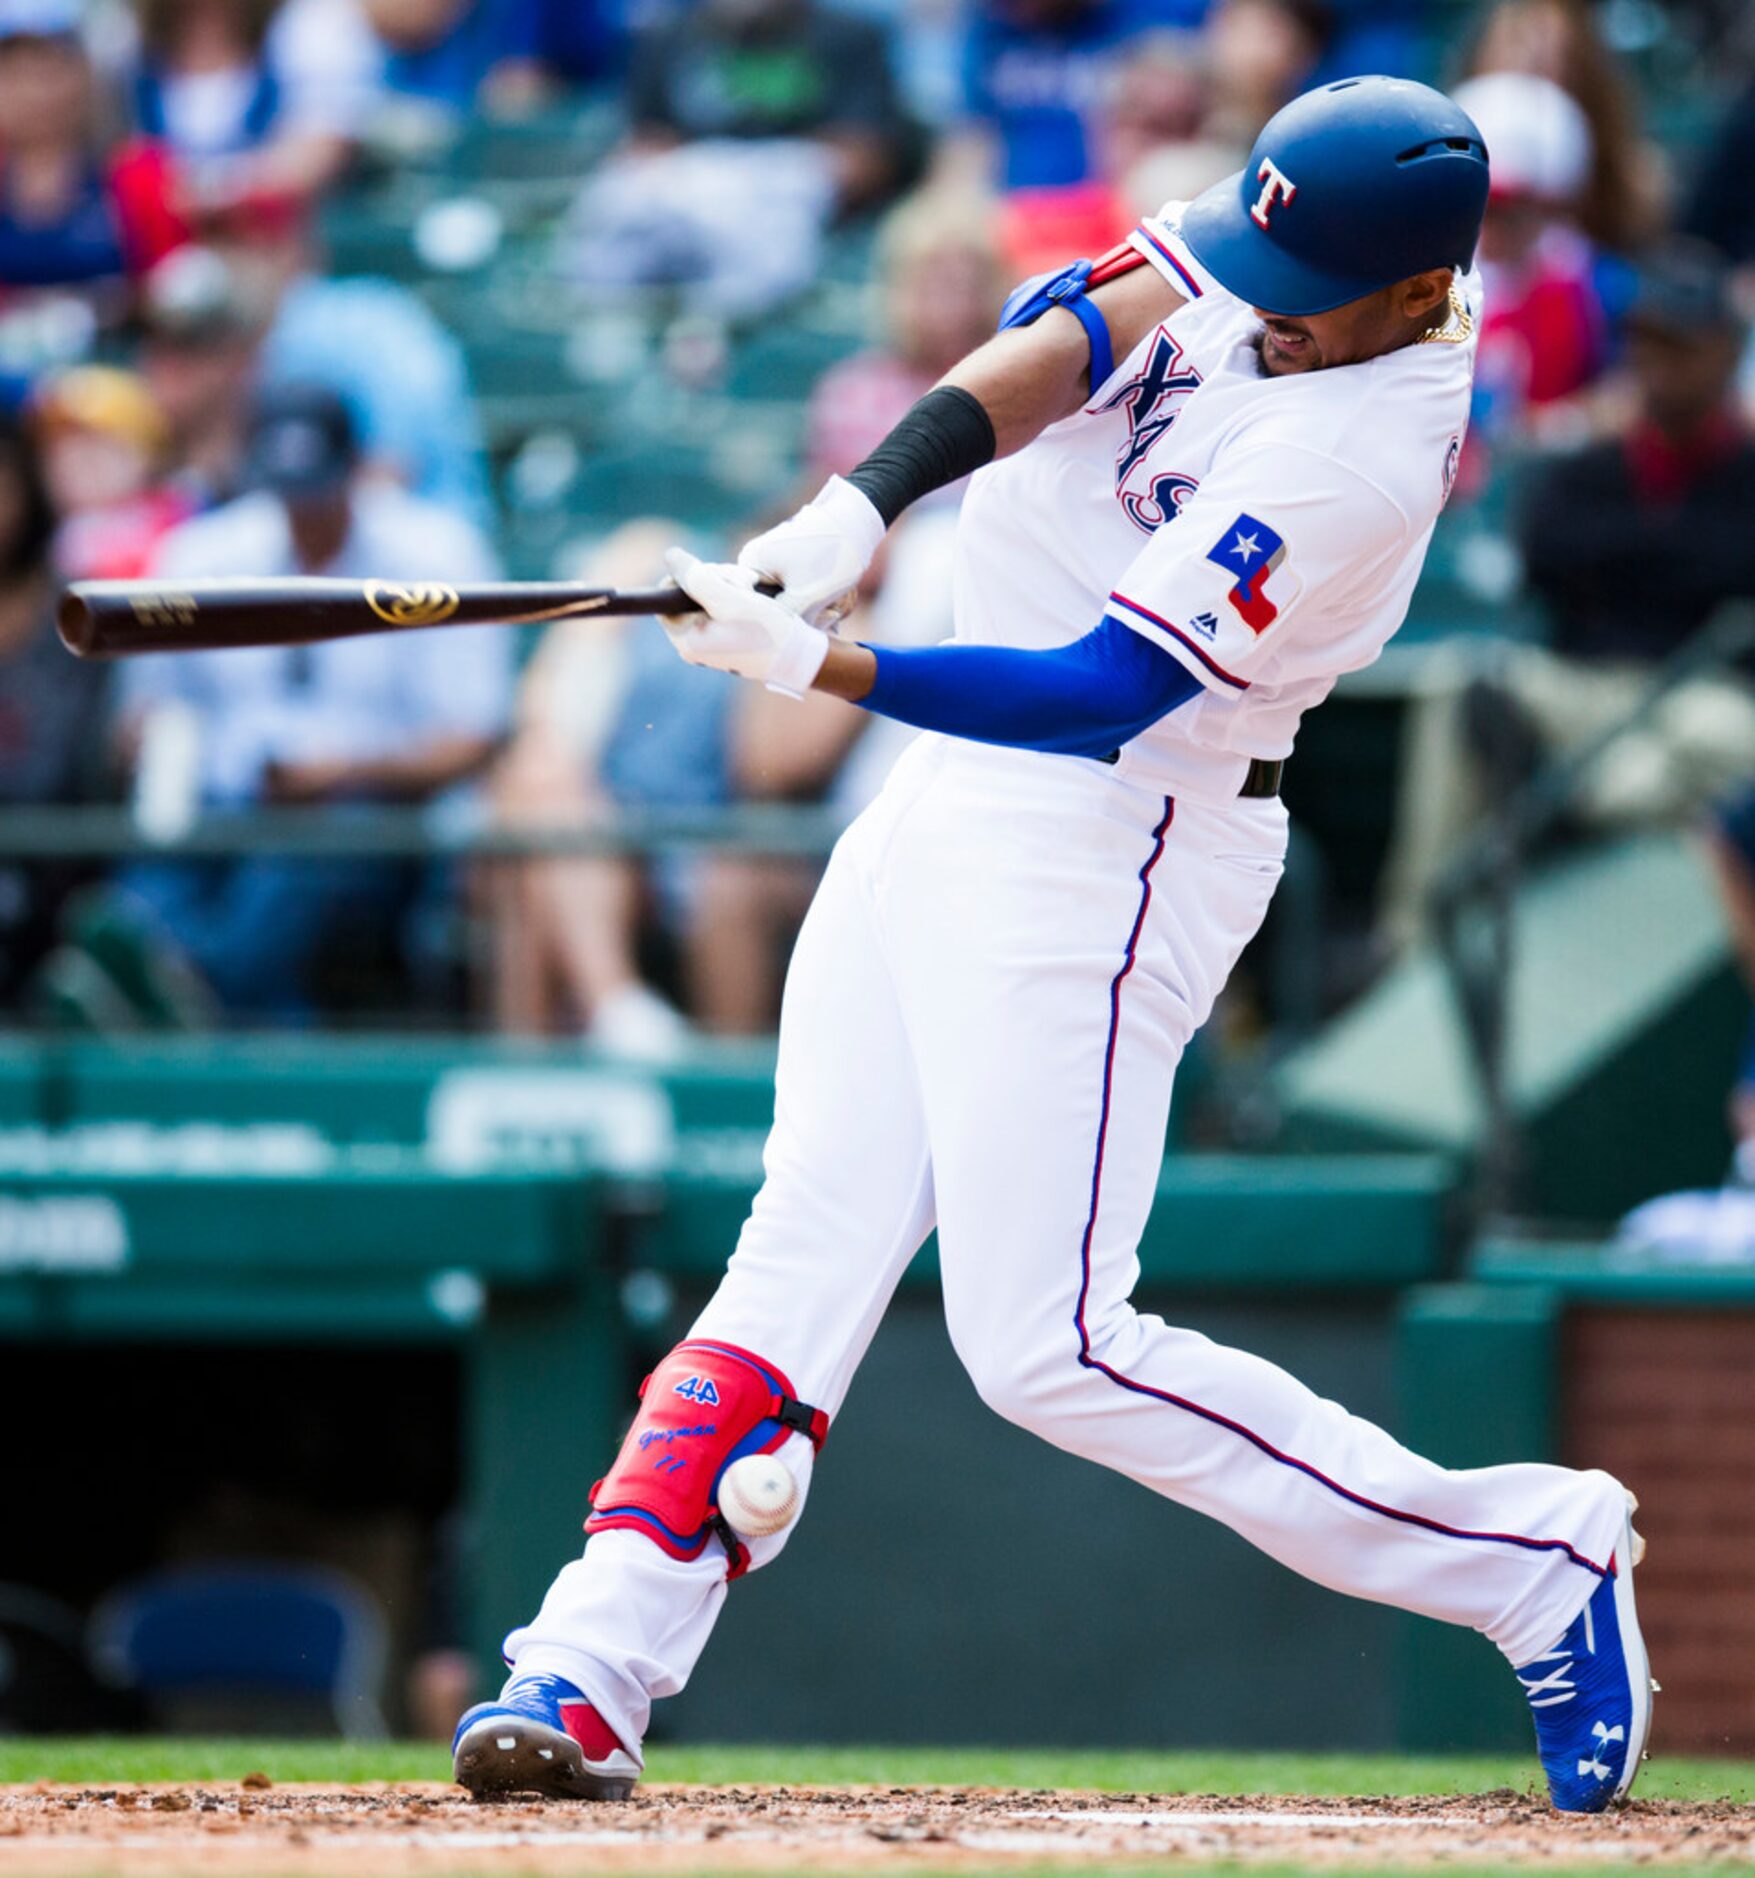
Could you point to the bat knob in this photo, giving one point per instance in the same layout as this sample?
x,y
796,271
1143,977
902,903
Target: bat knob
x,y
77,624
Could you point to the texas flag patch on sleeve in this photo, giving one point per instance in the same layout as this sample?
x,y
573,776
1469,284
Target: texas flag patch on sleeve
x,y
1255,557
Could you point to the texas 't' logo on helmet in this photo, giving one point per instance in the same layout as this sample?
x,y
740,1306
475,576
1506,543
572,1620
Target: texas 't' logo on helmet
x,y
1276,187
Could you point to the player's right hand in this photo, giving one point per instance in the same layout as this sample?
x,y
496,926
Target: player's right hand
x,y
819,554
739,630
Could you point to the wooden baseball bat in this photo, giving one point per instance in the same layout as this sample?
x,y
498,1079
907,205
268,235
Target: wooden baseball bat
x,y
106,619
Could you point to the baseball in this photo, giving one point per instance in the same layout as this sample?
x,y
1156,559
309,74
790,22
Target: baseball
x,y
757,1496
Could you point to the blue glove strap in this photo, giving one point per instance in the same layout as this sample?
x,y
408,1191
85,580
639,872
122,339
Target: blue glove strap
x,y
1027,303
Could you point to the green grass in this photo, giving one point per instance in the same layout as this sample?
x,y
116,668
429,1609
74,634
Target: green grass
x,y
129,1759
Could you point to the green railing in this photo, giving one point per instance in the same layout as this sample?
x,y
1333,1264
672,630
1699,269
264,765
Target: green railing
x,y
105,833
1474,899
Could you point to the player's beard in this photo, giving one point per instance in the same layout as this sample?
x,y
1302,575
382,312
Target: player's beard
x,y
1280,360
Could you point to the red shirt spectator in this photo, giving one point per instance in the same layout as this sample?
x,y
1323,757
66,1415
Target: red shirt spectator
x,y
103,440
1545,333
942,287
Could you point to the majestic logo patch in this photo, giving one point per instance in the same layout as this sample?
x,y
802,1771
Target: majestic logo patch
x,y
1276,187
1206,624
1250,551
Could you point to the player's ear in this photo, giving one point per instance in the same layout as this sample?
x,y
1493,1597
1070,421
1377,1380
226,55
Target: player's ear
x,y
1422,295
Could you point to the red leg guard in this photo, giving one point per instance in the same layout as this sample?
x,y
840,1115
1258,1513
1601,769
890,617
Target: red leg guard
x,y
706,1405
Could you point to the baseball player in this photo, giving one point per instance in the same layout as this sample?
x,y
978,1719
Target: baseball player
x,y
1206,473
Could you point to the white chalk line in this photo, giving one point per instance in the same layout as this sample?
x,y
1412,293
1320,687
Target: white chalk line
x,y
329,1838
1302,1822
472,1841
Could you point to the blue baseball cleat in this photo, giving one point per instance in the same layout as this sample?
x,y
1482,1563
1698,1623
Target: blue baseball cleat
x,y
1591,1694
541,1735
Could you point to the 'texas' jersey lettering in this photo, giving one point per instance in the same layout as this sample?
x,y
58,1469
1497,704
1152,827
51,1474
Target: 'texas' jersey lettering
x,y
1159,502
1152,400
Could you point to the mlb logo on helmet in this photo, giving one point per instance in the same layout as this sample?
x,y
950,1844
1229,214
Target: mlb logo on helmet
x,y
1251,551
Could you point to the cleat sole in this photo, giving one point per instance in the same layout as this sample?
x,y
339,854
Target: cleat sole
x,y
503,1755
1641,1683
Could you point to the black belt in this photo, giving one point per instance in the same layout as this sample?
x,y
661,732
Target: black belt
x,y
1263,778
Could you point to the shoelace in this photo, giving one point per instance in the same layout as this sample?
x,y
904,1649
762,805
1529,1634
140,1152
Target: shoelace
x,y
548,1687
1546,1691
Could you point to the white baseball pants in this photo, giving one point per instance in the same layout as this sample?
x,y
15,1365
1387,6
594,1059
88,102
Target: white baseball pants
x,y
982,1020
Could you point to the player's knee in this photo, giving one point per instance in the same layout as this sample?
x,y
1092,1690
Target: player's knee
x,y
1025,1386
705,1407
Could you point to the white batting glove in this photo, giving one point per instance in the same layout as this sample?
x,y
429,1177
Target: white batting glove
x,y
822,551
742,631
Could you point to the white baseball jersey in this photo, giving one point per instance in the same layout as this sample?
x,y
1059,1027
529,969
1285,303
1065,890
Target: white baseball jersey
x,y
1266,532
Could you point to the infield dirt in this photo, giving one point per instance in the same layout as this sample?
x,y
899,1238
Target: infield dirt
x,y
257,1828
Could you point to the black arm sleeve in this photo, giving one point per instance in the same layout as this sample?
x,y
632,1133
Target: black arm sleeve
x,y
945,437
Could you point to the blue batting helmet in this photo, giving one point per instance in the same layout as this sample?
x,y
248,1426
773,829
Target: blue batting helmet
x,y
1349,188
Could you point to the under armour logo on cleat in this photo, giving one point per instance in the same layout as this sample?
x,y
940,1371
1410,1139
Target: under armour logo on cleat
x,y
1594,1766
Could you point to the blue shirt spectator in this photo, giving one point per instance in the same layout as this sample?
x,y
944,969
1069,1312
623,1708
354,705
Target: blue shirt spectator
x,y
303,66
51,707
1374,36
666,747
404,716
73,210
444,50
401,372
583,41
1036,73
348,703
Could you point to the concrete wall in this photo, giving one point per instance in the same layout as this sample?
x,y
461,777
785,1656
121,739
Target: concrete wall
x,y
955,1580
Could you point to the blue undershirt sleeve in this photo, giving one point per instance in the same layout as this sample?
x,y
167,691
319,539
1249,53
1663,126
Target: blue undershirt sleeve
x,y
1083,699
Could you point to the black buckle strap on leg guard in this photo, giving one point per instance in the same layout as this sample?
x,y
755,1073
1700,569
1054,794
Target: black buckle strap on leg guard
x,y
737,1554
802,1419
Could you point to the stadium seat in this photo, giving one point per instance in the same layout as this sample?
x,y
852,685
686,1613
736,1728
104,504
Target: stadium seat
x,y
785,361
46,1682
1622,982
260,1648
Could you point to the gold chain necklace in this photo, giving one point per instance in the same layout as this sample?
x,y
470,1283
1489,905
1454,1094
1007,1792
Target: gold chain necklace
x,y
1455,329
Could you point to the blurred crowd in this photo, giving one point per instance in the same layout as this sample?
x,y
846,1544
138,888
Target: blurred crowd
x,y
190,388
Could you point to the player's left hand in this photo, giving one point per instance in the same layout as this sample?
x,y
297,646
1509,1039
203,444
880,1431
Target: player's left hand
x,y
742,631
